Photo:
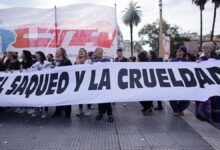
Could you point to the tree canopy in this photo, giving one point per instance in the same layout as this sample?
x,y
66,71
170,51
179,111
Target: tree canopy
x,y
152,33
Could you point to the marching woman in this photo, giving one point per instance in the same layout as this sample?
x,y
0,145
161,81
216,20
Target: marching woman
x,y
210,109
27,60
62,60
147,105
12,64
40,64
26,63
83,58
152,57
179,106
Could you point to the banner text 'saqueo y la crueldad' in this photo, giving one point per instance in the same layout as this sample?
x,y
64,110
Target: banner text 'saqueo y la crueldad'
x,y
111,82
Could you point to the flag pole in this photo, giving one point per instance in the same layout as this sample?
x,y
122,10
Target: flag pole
x,y
161,31
56,34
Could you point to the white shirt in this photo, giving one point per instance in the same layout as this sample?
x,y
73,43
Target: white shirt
x,y
40,66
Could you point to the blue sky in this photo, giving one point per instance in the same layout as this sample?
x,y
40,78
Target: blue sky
x,y
179,12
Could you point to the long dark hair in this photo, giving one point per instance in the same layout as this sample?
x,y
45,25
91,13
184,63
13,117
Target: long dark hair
x,y
42,56
153,56
142,56
28,56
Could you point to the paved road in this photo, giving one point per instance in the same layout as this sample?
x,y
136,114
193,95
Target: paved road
x,y
130,131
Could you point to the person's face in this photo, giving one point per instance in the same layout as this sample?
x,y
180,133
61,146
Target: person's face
x,y
49,58
9,56
119,53
93,56
99,53
149,56
207,52
179,54
82,53
58,53
37,56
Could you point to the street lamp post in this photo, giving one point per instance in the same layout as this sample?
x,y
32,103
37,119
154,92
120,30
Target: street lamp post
x,y
161,31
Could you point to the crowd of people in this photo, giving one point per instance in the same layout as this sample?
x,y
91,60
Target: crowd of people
x,y
10,62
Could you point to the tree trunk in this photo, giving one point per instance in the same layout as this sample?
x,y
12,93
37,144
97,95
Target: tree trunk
x,y
213,24
200,47
131,30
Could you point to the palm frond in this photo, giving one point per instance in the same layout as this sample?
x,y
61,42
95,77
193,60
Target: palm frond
x,y
132,14
200,3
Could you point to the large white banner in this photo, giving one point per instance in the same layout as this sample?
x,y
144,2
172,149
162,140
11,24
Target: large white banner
x,y
111,82
72,27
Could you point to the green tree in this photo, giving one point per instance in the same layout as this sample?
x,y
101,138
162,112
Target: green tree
x,y
132,16
216,6
152,33
201,5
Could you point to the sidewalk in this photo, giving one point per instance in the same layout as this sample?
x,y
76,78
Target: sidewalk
x,y
130,131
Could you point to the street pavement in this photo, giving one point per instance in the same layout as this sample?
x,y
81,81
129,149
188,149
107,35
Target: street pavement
x,y
130,131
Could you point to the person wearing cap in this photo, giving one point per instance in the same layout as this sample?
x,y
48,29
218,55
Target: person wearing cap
x,y
179,106
181,54
120,57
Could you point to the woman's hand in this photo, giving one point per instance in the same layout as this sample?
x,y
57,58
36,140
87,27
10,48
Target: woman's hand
x,y
52,66
39,67
198,61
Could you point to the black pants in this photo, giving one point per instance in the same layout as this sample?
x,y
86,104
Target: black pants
x,y
159,103
147,104
44,108
179,106
67,110
105,107
88,106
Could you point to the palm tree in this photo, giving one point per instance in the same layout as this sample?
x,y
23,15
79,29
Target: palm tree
x,y
217,4
201,5
132,16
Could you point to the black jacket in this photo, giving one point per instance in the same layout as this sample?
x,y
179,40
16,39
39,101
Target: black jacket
x,y
64,62
122,60
26,65
12,65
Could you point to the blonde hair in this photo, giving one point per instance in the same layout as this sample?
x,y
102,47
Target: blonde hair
x,y
82,60
85,51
